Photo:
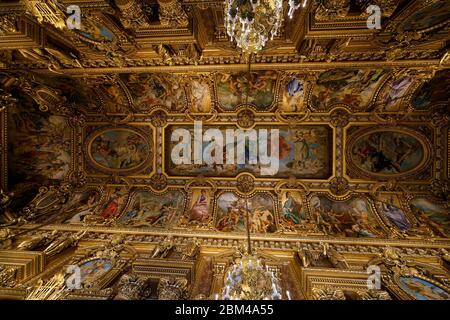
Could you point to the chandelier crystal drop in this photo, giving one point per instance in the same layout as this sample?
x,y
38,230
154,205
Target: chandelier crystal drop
x,y
251,23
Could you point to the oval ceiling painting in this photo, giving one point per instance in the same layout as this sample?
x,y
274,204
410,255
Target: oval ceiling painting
x,y
119,149
92,270
387,152
421,289
427,17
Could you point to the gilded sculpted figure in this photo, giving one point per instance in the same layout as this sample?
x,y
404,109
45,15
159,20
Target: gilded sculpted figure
x,y
58,245
5,238
391,254
192,249
163,248
5,198
6,217
37,241
336,258
304,257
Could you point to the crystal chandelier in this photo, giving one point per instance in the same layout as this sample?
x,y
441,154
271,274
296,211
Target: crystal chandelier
x,y
248,278
253,22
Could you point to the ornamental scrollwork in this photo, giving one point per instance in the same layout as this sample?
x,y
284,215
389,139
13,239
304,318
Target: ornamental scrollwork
x,y
8,276
133,287
172,288
328,293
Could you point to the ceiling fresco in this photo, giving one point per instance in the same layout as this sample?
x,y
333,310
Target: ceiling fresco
x,y
333,163
116,142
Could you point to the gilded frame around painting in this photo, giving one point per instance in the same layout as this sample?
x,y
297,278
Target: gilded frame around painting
x,y
352,139
146,164
400,289
4,148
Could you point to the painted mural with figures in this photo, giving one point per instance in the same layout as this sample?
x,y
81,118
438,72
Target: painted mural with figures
x,y
434,215
93,270
146,209
384,152
421,289
119,149
151,154
354,218
428,16
199,208
235,89
293,209
432,92
393,93
390,208
360,216
293,93
306,151
302,152
80,205
114,201
148,90
231,212
201,95
351,87
41,137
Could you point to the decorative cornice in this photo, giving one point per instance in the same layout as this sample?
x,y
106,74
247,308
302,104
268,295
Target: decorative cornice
x,y
308,66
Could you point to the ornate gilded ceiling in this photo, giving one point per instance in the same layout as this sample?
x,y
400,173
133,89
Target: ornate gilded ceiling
x,y
88,118
145,36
